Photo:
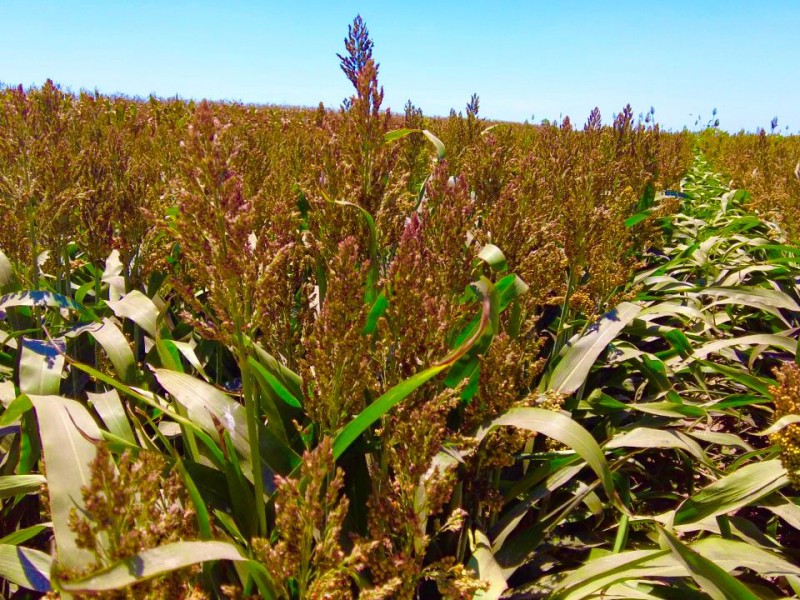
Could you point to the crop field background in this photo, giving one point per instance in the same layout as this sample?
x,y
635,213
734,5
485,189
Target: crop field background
x,y
259,352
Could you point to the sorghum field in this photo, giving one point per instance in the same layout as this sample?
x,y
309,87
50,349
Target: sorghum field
x,y
253,352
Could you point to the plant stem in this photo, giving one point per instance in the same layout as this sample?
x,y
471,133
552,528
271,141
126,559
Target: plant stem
x,y
251,410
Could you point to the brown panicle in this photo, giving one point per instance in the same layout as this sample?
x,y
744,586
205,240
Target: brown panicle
x,y
787,402
337,368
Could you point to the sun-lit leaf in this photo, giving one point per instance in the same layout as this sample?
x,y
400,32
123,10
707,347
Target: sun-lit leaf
x,y
64,426
25,567
151,563
574,366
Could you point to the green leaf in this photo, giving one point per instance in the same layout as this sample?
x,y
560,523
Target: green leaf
x,y
486,568
561,428
151,563
350,432
712,579
15,485
494,257
18,407
20,536
43,299
138,308
759,384
740,488
6,270
637,218
398,134
41,364
25,567
63,424
202,400
441,151
735,554
109,406
645,437
574,366
380,407
112,276
598,573
274,384
290,380
376,312
115,344
784,421
767,339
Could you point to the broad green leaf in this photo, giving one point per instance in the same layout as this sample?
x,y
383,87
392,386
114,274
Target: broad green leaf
x,y
720,438
112,276
41,364
151,563
203,401
115,344
486,568
561,428
138,308
380,407
783,507
599,573
207,406
711,578
25,567
63,424
784,421
187,350
759,384
15,410
637,218
645,437
290,380
735,554
752,295
574,366
41,298
20,536
740,488
275,384
109,406
777,341
14,485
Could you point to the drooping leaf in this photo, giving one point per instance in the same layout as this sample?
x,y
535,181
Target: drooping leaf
x,y
574,366
115,344
13,485
151,563
711,578
561,428
138,308
745,485
63,425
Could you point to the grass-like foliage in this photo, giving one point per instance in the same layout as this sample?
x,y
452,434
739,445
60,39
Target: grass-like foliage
x,y
300,354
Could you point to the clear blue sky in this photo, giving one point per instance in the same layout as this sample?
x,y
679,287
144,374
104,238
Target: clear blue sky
x,y
540,58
